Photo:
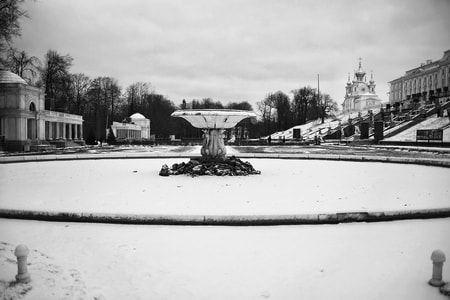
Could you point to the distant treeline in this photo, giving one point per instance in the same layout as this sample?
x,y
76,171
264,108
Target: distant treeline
x,y
102,100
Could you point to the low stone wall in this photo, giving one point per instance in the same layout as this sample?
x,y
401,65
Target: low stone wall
x,y
227,220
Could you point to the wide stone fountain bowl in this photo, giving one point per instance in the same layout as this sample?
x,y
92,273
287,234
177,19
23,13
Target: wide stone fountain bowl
x,y
213,118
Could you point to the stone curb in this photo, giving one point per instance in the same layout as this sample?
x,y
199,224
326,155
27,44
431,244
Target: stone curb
x,y
227,220
337,157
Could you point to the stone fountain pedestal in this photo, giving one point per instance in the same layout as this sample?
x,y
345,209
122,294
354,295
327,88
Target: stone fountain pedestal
x,y
213,151
213,147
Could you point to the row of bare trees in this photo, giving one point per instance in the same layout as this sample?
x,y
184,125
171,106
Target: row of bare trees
x,y
101,100
279,112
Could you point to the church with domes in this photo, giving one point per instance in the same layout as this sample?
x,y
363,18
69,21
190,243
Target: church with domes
x,y
360,95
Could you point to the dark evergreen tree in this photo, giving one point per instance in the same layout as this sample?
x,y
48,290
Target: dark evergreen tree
x,y
110,138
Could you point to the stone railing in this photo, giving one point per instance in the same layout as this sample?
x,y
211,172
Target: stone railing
x,y
57,114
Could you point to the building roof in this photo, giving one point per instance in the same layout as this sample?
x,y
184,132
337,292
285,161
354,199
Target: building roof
x,y
137,116
7,76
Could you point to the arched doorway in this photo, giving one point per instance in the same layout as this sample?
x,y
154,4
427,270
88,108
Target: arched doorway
x,y
31,124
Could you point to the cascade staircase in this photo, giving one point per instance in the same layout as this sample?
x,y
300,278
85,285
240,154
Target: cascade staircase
x,y
415,117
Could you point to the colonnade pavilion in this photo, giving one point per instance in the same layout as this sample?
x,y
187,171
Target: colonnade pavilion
x,y
25,124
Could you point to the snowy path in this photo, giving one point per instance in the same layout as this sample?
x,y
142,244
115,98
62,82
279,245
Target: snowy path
x,y
348,261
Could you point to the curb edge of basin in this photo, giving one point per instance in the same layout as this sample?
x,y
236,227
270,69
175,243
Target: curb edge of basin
x,y
227,220
354,158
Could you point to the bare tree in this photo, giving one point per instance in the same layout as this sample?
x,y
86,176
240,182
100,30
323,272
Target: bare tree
x,y
113,92
10,14
56,79
22,64
266,107
326,106
301,102
282,105
80,85
135,94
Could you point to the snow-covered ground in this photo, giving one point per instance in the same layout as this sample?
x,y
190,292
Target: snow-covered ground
x,y
349,261
310,129
133,186
389,260
409,135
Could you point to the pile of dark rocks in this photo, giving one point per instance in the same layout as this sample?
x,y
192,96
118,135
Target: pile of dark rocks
x,y
230,166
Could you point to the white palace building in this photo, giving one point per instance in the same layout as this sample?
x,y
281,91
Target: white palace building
x,y
25,124
427,83
135,127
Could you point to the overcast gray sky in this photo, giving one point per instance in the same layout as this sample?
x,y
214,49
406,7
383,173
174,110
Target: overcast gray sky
x,y
233,50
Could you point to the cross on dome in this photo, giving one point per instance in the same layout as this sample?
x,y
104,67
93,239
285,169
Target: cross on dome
x,y
360,73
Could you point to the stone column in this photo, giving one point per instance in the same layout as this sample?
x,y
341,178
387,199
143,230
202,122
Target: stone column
x,y
75,128
58,133
47,130
80,132
53,130
64,130
70,131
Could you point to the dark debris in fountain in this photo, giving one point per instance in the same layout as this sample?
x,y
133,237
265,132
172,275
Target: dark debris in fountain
x,y
230,166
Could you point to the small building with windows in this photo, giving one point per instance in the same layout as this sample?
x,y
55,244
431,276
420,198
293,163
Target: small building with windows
x,y
360,95
135,127
24,122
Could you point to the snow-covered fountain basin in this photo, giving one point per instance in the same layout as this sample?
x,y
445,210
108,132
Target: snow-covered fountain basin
x,y
285,187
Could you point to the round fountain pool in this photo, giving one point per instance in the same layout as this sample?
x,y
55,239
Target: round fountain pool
x,y
285,187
